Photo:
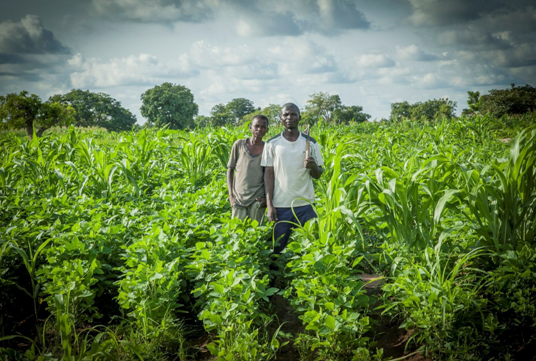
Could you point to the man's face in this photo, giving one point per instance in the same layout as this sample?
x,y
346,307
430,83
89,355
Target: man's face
x,y
290,117
258,128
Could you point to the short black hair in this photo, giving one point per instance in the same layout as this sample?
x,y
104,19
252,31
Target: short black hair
x,y
260,116
292,105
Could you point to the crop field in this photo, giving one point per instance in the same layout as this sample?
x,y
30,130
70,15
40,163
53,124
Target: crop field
x,y
120,246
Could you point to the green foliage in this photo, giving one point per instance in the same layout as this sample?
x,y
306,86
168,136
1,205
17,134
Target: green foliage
x,y
474,103
437,297
233,113
97,110
272,112
238,108
514,101
428,110
330,109
347,114
169,105
133,229
219,116
321,106
28,111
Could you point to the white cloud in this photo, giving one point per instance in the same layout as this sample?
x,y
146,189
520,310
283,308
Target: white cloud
x,y
413,52
142,69
398,75
429,81
375,61
206,55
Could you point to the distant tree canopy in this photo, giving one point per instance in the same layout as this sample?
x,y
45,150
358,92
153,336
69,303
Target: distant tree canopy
x,y
169,104
330,109
271,112
28,111
428,110
97,110
499,102
346,114
232,113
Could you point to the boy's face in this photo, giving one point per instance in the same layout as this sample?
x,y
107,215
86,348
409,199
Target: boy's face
x,y
258,128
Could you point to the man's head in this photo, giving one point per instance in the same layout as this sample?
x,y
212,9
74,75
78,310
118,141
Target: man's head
x,y
259,125
290,115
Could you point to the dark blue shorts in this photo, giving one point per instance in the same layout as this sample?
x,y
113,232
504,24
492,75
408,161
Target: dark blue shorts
x,y
283,228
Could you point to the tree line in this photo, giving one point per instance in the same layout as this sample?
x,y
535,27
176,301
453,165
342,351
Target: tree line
x,y
173,106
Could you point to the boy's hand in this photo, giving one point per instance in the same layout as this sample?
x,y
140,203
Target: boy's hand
x,y
262,200
272,214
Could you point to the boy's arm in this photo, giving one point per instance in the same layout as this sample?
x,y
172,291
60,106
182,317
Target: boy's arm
x,y
230,180
269,190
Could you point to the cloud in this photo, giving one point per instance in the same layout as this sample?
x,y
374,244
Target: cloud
x,y
142,69
396,75
28,36
278,17
441,13
471,37
413,52
429,81
154,10
11,59
252,17
492,43
301,56
206,55
374,61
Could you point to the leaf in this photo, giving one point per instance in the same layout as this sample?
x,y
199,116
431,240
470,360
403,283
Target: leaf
x,y
330,322
270,291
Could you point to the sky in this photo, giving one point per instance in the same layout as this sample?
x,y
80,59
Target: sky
x,y
370,52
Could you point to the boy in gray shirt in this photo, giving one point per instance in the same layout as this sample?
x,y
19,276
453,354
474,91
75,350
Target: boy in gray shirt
x,y
245,176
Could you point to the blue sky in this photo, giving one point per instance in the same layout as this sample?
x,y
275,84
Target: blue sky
x,y
370,53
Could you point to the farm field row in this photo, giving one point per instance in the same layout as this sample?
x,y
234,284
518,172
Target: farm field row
x,y
119,246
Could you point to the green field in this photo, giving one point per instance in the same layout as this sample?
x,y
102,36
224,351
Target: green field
x,y
119,246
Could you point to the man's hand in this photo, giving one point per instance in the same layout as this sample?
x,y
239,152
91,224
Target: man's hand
x,y
310,163
232,201
272,214
314,169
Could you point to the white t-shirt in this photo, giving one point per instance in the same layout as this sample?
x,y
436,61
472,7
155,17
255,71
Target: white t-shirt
x,y
291,179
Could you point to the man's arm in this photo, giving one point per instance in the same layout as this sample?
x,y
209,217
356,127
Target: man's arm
x,y
269,191
230,180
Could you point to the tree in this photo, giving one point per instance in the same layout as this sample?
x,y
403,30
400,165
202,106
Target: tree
x,y
322,105
97,110
400,111
28,111
202,121
238,108
169,104
346,114
516,100
429,110
272,112
220,117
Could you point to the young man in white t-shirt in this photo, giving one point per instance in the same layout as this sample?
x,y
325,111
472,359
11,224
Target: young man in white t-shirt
x,y
288,176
